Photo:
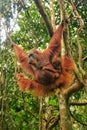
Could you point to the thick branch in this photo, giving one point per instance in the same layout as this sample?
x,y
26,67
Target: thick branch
x,y
64,16
75,87
65,119
84,59
44,16
80,53
62,10
52,14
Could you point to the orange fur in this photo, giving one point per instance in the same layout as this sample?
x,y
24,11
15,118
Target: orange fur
x,y
54,47
40,89
45,56
50,71
63,80
23,59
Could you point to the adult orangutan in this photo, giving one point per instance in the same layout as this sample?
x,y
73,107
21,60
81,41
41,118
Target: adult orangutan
x,y
48,68
45,87
42,58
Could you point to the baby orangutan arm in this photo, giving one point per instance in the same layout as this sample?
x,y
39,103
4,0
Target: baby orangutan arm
x,y
46,76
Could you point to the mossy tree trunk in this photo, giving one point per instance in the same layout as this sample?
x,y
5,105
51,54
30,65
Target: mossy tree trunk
x,y
65,118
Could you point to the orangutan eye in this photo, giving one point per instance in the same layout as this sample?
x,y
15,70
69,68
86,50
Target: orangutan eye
x,y
31,55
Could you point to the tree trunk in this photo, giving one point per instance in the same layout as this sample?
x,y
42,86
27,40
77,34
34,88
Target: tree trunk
x,y
44,16
65,120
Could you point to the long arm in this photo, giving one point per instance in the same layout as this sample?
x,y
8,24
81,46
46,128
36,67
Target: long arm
x,y
55,42
56,38
26,84
23,59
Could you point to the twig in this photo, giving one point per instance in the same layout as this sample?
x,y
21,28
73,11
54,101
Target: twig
x,y
64,16
27,14
77,119
24,103
84,59
80,53
50,120
56,119
78,103
79,3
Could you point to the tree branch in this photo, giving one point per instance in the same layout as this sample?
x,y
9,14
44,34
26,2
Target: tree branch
x,y
66,35
62,10
52,14
78,103
79,2
53,119
80,53
84,59
73,88
77,119
44,16
75,13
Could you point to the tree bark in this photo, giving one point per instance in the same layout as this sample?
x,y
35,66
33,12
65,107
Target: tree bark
x,y
63,16
44,16
65,119
40,113
52,13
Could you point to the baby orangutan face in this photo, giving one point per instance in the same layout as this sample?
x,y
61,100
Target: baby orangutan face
x,y
57,64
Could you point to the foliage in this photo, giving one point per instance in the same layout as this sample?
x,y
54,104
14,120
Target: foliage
x,y
18,110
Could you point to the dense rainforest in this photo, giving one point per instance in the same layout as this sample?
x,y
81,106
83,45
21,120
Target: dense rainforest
x,y
31,24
